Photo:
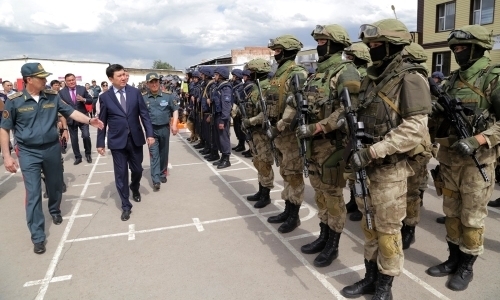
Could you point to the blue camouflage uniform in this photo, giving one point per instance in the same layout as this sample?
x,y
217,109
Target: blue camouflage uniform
x,y
161,108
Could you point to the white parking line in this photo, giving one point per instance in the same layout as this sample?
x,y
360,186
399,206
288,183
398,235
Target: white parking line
x,y
198,224
8,177
298,237
232,170
244,180
191,164
78,216
73,199
96,165
101,172
54,279
87,184
345,271
131,232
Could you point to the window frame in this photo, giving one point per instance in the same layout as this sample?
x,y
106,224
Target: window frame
x,y
445,66
472,10
444,17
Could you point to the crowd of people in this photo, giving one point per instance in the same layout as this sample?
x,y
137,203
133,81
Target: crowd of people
x,y
367,118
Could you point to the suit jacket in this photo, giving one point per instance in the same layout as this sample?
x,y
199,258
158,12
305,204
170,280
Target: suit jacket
x,y
119,124
65,95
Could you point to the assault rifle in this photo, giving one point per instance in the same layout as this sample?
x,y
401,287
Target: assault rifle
x,y
357,137
266,125
300,119
246,131
454,113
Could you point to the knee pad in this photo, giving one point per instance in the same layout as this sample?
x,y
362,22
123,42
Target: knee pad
x,y
370,234
320,200
389,244
335,208
472,237
453,228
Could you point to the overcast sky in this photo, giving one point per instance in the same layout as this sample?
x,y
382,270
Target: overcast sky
x,y
136,32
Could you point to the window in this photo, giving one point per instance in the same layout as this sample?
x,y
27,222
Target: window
x,y
482,11
446,16
441,62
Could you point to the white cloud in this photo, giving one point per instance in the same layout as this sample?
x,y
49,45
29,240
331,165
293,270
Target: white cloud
x,y
179,31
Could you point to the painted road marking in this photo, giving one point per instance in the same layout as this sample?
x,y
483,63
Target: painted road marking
x,y
131,232
87,184
54,279
198,225
78,216
73,199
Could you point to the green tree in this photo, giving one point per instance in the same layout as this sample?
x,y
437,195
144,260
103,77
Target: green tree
x,y
158,64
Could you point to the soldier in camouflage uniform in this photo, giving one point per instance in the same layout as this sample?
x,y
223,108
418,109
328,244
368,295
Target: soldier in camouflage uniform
x,y
416,184
263,159
359,54
394,102
325,141
281,116
465,192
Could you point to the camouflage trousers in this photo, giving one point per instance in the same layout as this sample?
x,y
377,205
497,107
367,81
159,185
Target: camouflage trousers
x,y
290,167
387,198
263,159
329,198
465,196
415,184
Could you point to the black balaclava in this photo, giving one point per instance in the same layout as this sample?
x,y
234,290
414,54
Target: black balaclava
x,y
383,55
326,50
359,62
285,56
467,57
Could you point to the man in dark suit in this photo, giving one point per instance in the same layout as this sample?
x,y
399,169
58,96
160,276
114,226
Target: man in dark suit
x,y
77,96
121,108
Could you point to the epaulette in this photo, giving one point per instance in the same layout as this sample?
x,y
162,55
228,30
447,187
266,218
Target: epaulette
x,y
50,91
14,96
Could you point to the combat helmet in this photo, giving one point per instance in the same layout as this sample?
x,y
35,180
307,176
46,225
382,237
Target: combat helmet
x,y
333,32
359,50
471,34
258,65
286,42
415,53
387,30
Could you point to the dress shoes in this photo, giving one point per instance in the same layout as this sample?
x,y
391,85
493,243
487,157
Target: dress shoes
x,y
89,159
39,248
126,215
77,161
156,186
136,196
57,219
163,179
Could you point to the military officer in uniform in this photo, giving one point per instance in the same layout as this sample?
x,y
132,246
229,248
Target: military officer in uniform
x,y
394,103
221,101
285,49
32,114
465,191
263,158
325,140
161,107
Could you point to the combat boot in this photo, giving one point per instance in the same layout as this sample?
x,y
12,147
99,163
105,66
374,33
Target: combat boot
x,y
224,162
200,145
293,220
356,216
213,156
319,244
383,289
351,206
365,285
331,250
240,147
264,199
205,151
256,196
408,235
495,203
282,216
448,267
464,274
216,163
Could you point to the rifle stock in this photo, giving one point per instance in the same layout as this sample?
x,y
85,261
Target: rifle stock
x,y
246,131
357,136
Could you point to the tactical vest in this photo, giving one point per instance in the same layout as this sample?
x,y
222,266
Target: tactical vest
x,y
471,93
252,100
379,103
318,94
275,95
216,95
237,88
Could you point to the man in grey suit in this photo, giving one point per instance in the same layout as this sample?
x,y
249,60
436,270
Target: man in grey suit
x,y
77,96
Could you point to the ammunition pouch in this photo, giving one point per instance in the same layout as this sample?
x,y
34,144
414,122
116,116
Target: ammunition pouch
x,y
390,159
447,141
273,107
333,169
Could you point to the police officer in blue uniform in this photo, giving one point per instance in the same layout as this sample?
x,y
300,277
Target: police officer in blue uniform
x,y
222,101
210,150
238,94
194,116
33,114
161,107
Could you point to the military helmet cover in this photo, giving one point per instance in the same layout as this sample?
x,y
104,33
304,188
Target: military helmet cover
x,y
415,52
360,50
287,42
333,32
387,30
471,34
258,65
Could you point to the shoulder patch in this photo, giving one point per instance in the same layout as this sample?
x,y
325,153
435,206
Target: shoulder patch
x,y
14,96
50,91
5,114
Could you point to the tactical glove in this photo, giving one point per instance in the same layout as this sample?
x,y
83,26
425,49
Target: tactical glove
x,y
360,159
305,131
272,132
466,146
246,123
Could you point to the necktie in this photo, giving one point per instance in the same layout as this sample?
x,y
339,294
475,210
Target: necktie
x,y
73,95
122,100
